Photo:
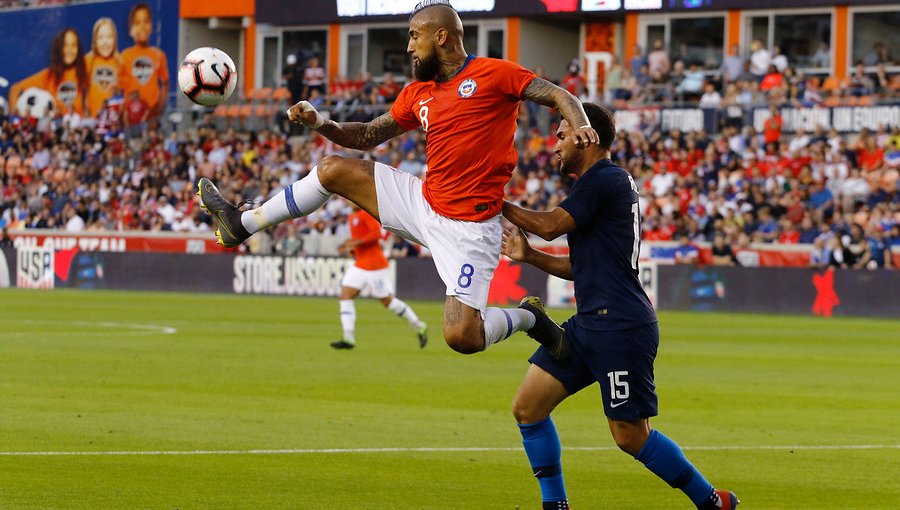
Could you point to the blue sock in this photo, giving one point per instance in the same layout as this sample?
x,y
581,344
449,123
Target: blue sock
x,y
545,453
665,458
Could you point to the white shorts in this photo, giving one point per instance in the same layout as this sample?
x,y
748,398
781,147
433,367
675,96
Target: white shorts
x,y
465,253
377,281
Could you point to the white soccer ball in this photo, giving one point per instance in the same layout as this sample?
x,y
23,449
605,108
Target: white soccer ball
x,y
207,76
35,102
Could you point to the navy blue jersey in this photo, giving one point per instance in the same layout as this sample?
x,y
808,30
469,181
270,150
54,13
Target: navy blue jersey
x,y
604,249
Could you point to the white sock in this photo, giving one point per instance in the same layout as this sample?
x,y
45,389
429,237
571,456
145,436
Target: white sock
x,y
500,323
299,199
405,311
348,319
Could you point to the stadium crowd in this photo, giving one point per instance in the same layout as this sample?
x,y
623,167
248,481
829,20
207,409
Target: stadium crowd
x,y
736,186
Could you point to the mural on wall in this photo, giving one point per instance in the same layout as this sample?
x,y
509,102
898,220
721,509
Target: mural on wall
x,y
87,56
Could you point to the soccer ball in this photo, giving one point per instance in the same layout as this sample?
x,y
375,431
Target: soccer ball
x,y
207,76
35,102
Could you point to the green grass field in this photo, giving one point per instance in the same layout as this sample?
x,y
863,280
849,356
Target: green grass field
x,y
790,413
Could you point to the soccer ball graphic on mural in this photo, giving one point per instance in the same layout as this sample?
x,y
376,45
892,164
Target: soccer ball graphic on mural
x,y
207,76
35,102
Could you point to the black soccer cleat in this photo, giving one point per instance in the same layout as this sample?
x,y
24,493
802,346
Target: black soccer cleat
x,y
342,344
422,334
545,330
227,216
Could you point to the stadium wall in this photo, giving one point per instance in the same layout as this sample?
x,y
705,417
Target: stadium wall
x,y
706,288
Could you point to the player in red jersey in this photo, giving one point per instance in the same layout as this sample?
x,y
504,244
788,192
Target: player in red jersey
x,y
370,270
468,106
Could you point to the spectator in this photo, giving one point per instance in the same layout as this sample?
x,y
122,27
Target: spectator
x,y
839,256
658,59
760,60
860,83
686,252
722,255
692,84
612,79
819,256
638,60
136,114
880,250
822,56
773,80
291,244
732,65
573,81
411,165
772,126
710,98
292,76
880,54
779,60
314,77
5,240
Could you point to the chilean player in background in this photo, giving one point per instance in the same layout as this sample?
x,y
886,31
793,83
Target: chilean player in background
x,y
369,270
144,67
614,336
467,106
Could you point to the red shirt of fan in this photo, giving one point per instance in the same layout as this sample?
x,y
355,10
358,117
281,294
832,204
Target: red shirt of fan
x,y
469,122
365,228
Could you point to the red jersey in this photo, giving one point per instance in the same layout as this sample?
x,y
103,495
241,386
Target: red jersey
x,y
469,122
365,228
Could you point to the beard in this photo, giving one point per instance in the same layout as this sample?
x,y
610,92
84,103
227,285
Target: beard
x,y
427,69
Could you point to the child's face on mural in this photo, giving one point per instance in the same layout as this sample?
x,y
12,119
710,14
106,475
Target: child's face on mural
x,y
70,48
106,40
141,26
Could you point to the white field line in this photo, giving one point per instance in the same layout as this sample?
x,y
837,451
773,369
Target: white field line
x,y
107,328
295,451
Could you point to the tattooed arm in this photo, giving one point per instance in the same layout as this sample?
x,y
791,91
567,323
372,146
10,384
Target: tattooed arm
x,y
353,135
543,92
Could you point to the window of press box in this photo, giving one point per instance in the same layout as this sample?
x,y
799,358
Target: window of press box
x,y
876,39
271,70
305,44
697,41
800,36
805,39
387,50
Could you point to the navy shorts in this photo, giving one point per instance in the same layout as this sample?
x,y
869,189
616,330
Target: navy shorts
x,y
620,360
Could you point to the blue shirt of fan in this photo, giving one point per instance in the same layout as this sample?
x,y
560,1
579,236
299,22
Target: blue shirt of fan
x,y
604,249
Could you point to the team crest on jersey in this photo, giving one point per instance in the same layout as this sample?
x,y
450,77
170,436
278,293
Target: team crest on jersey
x,y
105,77
67,92
466,88
142,69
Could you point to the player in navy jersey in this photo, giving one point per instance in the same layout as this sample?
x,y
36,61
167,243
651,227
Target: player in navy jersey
x,y
613,337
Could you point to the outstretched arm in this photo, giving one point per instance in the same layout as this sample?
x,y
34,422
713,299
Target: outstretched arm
x,y
543,92
516,247
353,135
548,225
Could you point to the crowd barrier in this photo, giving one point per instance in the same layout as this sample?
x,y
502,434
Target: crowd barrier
x,y
844,119
755,255
801,291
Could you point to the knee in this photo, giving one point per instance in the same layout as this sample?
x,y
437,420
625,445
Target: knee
x,y
630,439
525,412
627,445
328,170
463,341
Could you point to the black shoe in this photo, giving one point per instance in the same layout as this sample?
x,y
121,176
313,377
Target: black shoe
x,y
342,344
546,330
422,333
227,216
